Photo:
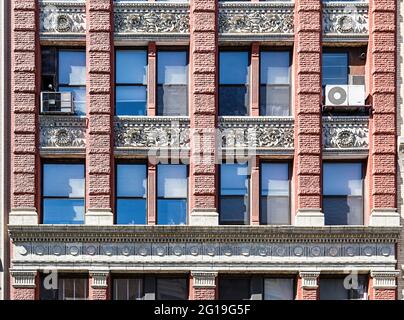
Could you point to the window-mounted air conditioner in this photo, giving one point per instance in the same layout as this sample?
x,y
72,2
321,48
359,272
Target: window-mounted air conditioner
x,y
345,95
56,102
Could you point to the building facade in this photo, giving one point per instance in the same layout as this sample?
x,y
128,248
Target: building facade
x,y
203,150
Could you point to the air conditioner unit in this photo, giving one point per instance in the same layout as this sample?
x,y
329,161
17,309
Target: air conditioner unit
x,y
345,95
56,102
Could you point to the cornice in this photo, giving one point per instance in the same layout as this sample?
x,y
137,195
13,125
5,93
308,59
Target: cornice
x,y
198,234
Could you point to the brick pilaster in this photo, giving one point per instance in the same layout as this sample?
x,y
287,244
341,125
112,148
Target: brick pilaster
x,y
382,125
25,55
99,286
203,285
203,111
382,285
24,285
255,80
151,194
255,192
99,151
307,96
307,286
151,79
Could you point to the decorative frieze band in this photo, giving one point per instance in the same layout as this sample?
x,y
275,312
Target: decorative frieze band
x,y
62,133
346,20
151,132
309,279
346,133
62,18
23,278
256,132
256,20
148,19
204,279
384,279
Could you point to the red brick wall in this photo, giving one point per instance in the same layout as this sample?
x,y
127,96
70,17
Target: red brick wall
x,y
99,103
306,293
307,101
203,101
23,294
24,102
204,294
382,86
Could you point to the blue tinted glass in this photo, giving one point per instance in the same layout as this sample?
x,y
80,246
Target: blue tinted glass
x,y
72,67
275,67
63,211
131,211
342,179
335,68
234,67
172,181
275,179
172,67
233,179
131,180
234,209
131,100
131,66
79,98
63,180
233,100
171,211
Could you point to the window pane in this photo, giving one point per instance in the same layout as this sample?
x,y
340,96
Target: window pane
x,y
171,289
171,212
234,67
172,67
131,180
278,289
131,66
234,289
275,100
131,100
172,181
233,100
275,179
131,211
275,67
79,98
72,67
335,68
233,179
80,289
234,210
342,179
63,211
343,210
172,100
73,289
275,210
63,180
128,289
333,289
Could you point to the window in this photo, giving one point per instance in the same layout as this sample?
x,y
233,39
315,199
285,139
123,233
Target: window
x,y
234,289
336,289
64,70
275,193
279,289
63,193
172,194
128,289
234,187
172,83
275,89
335,68
131,83
234,83
68,288
131,194
172,289
343,193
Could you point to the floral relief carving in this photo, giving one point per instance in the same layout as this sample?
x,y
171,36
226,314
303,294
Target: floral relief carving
x,y
345,133
242,18
63,17
345,19
149,18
